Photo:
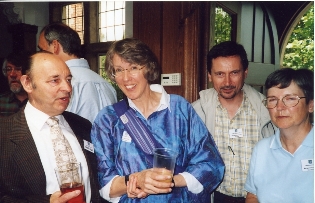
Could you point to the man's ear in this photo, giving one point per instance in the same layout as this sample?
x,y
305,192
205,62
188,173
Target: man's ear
x,y
26,83
209,77
246,72
311,106
56,46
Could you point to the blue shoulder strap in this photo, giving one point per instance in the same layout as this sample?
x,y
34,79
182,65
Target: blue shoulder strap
x,y
137,130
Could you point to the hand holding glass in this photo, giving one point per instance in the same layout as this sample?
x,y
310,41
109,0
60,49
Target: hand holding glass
x,y
164,161
69,177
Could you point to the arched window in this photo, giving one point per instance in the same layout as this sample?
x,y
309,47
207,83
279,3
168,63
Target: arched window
x,y
224,25
299,49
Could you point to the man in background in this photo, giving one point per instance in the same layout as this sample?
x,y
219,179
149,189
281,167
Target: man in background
x,y
91,92
27,153
13,67
235,116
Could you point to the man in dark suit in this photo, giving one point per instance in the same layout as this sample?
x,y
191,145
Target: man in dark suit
x,y
27,159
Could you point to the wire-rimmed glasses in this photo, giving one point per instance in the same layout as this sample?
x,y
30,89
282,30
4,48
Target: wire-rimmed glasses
x,y
134,70
7,70
288,101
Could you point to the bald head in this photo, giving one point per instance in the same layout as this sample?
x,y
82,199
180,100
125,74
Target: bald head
x,y
31,64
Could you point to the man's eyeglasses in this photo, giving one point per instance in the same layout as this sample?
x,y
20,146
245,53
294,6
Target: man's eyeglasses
x,y
288,101
134,70
8,70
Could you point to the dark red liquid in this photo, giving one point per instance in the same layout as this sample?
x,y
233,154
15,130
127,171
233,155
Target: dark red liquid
x,y
75,186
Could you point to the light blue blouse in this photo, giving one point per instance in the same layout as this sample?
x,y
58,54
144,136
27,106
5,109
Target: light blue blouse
x,y
275,175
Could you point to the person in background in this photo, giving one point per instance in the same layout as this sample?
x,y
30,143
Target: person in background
x,y
282,166
91,92
124,169
13,67
26,150
234,115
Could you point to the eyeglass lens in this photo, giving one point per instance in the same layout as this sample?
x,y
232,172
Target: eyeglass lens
x,y
289,101
132,71
16,69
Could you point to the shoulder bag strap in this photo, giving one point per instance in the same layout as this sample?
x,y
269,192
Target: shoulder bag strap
x,y
137,130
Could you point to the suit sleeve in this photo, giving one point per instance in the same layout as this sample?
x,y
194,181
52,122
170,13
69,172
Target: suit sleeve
x,y
33,198
13,186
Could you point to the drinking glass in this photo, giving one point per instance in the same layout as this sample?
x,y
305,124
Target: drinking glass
x,y
69,177
164,161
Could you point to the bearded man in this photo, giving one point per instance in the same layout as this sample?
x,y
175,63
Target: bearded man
x,y
13,68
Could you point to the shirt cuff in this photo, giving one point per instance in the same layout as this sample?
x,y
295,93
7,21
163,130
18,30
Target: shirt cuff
x,y
193,185
104,192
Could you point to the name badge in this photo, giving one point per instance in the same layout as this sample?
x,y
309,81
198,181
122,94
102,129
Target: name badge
x,y
88,146
126,137
235,133
307,164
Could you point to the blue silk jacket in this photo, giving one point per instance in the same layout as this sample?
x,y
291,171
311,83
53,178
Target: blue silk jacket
x,y
177,127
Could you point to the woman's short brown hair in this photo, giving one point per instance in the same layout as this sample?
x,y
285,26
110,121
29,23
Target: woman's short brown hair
x,y
135,52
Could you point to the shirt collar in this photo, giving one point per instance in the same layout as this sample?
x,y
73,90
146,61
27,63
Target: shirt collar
x,y
308,141
244,104
82,63
276,143
38,118
164,102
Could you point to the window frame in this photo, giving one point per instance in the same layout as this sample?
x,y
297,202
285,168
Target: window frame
x,y
83,22
124,25
234,20
92,48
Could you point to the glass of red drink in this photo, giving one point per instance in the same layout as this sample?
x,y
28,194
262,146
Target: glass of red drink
x,y
69,177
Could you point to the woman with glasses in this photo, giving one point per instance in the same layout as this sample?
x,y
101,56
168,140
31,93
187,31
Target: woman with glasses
x,y
282,166
124,166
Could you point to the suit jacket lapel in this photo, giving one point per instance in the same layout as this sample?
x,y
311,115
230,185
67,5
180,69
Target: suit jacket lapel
x,y
26,155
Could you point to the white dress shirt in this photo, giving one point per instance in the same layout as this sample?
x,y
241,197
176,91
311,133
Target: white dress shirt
x,y
36,121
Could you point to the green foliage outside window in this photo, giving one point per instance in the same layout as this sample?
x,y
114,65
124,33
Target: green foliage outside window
x,y
120,94
223,26
299,52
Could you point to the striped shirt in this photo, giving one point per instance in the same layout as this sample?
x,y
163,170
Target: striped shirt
x,y
236,152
